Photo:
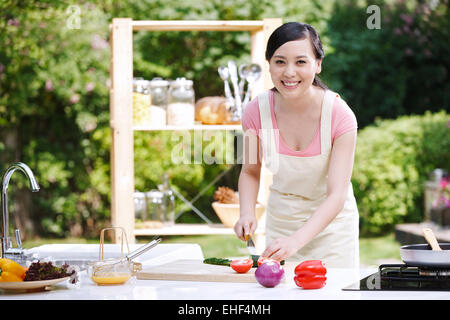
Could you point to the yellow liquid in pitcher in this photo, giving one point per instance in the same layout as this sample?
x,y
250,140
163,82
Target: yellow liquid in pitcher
x,y
117,278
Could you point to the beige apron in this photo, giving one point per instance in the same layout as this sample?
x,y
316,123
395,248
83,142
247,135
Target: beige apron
x,y
299,187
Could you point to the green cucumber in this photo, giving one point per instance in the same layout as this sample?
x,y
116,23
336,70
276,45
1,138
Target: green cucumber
x,y
217,261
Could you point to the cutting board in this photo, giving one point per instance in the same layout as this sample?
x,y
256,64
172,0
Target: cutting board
x,y
194,270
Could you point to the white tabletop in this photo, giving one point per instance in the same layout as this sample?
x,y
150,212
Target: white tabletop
x,y
188,290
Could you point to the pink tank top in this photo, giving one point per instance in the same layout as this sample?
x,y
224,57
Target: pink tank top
x,y
342,120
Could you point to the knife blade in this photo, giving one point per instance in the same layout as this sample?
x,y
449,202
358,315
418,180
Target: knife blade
x,y
251,245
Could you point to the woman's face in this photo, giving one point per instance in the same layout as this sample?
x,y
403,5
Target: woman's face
x,y
293,67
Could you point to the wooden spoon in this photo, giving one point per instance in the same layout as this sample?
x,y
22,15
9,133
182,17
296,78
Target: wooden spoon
x,y
431,239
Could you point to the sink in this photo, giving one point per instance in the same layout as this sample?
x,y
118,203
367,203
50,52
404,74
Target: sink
x,y
76,254
81,254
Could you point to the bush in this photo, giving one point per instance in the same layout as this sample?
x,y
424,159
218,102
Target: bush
x,y
392,161
54,96
54,103
400,69
53,99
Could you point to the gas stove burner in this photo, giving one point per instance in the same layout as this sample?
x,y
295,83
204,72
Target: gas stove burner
x,y
403,270
402,277
434,272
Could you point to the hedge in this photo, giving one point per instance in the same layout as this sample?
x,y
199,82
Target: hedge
x,y
392,162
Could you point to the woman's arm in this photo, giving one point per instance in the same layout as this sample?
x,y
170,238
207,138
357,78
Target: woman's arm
x,y
248,186
339,175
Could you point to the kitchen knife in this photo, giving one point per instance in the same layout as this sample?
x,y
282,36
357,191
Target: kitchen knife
x,y
251,245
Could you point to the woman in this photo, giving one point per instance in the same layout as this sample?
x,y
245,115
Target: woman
x,y
307,135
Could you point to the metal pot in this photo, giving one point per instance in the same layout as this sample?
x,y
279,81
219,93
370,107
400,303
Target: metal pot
x,y
433,254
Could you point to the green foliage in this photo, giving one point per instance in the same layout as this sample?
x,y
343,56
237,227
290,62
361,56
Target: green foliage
x,y
392,162
54,101
54,95
194,55
53,98
399,69
184,157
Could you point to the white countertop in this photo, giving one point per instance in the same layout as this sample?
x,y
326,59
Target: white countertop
x,y
187,290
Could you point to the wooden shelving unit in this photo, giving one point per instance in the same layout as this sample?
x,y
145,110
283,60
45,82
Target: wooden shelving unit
x,y
121,123
194,127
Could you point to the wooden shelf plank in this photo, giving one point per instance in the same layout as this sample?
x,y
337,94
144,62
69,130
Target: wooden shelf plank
x,y
197,25
189,229
194,127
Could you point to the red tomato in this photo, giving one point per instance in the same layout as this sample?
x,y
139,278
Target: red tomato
x,y
241,265
261,260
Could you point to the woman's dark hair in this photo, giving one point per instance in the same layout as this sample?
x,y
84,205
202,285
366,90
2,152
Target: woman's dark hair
x,y
291,31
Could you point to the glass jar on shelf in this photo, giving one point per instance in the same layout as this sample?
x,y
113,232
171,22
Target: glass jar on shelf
x,y
168,201
158,88
140,206
141,102
155,207
181,109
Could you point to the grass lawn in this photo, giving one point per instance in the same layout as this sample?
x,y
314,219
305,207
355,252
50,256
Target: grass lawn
x,y
373,251
377,250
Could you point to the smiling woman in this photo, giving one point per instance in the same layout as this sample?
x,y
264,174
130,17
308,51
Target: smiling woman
x,y
307,136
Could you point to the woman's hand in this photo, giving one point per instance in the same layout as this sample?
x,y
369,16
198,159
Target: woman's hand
x,y
245,225
281,248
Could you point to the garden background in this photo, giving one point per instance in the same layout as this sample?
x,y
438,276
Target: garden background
x,y
54,104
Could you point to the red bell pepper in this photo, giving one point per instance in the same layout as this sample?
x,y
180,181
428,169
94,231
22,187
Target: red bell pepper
x,y
310,274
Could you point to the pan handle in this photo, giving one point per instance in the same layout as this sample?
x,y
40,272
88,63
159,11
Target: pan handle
x,y
431,239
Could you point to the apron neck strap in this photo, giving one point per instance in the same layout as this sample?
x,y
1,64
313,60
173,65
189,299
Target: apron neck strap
x,y
325,121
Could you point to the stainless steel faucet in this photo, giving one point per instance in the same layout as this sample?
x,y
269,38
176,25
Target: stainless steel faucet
x,y
7,249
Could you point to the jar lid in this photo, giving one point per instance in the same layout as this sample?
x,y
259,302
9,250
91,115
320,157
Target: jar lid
x,y
139,195
154,194
140,85
158,82
140,82
182,82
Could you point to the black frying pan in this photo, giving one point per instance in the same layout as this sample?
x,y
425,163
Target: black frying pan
x,y
433,254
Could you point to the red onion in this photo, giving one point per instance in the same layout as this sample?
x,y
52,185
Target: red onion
x,y
269,274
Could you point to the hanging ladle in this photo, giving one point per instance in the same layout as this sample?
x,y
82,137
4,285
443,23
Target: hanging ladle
x,y
243,74
224,75
253,74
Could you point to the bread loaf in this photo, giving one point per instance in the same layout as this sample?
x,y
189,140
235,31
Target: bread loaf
x,y
212,110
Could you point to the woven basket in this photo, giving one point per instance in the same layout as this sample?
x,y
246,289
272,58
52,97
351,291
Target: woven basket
x,y
229,213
